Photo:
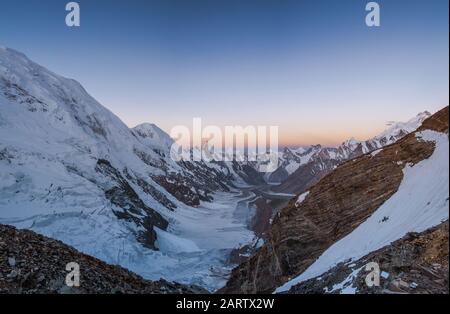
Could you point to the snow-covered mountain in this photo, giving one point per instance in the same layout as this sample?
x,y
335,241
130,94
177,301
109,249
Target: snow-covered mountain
x,y
152,136
72,170
61,145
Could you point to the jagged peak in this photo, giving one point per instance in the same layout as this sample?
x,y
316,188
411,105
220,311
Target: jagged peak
x,y
395,128
351,143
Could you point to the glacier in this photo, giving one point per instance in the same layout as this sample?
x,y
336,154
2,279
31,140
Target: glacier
x,y
53,135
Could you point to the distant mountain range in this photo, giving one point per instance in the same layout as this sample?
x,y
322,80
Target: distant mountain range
x,y
300,168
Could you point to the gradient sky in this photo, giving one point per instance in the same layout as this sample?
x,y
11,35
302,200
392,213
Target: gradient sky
x,y
312,67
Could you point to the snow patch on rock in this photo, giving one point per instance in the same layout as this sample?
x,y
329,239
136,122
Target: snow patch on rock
x,y
301,198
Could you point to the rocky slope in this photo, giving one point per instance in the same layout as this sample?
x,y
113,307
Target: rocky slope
x,y
417,263
31,263
331,210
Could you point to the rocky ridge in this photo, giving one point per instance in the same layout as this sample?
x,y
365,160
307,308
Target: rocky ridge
x,y
333,207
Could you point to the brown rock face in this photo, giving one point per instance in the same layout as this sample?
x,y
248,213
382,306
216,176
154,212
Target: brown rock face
x,y
437,122
335,206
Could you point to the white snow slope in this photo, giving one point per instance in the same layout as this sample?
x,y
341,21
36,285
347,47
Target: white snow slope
x,y
421,202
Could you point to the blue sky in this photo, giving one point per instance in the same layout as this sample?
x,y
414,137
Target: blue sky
x,y
312,67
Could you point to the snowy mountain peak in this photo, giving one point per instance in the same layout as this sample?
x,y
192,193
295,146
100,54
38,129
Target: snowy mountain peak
x,y
153,136
398,129
352,142
63,103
